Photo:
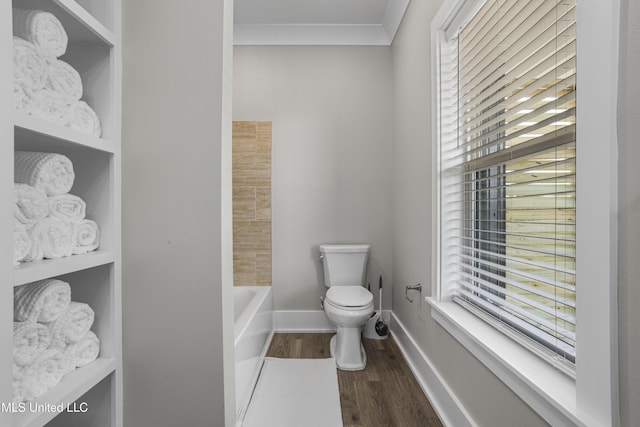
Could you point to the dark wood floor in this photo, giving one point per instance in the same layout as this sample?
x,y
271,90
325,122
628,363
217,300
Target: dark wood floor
x,y
385,393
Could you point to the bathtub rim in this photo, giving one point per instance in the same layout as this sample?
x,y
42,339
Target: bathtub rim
x,y
260,294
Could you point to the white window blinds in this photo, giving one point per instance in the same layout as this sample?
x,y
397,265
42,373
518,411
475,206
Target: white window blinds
x,y
507,115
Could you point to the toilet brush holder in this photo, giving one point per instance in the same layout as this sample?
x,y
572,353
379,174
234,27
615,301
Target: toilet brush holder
x,y
375,328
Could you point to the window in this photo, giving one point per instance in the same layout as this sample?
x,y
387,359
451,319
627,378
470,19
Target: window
x,y
508,165
526,197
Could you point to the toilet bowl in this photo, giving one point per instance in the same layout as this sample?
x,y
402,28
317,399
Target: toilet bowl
x,y
348,314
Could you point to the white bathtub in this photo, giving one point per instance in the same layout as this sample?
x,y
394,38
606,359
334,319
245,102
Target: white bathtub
x,y
253,327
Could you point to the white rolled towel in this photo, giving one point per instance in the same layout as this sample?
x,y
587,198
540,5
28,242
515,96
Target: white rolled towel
x,y
16,377
48,100
42,29
81,353
30,67
86,237
50,172
21,245
31,204
30,339
49,105
72,325
63,79
24,98
67,207
50,238
17,225
81,117
37,378
41,301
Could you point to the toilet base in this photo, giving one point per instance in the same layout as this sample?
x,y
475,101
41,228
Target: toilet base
x,y
351,356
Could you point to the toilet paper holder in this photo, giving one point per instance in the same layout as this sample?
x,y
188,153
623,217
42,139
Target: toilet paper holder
x,y
408,288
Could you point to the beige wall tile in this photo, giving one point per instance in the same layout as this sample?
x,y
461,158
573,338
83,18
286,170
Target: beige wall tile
x,y
244,203
252,235
263,269
244,145
244,129
244,268
263,203
251,169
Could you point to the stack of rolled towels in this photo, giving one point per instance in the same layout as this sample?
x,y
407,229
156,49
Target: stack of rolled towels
x,y
48,221
51,337
43,85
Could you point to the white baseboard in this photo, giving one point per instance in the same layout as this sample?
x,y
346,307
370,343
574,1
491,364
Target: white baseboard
x,y
447,406
308,321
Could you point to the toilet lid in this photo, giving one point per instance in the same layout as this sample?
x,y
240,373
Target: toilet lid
x,y
349,296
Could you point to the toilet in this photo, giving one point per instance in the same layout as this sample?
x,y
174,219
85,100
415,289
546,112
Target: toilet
x,y
347,303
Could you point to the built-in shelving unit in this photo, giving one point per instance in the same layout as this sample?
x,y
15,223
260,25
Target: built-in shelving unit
x,y
93,394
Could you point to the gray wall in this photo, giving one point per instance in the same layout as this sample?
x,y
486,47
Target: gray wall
x,y
629,204
331,113
176,139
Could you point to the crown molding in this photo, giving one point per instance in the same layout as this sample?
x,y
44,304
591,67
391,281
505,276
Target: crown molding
x,y
393,17
378,34
310,34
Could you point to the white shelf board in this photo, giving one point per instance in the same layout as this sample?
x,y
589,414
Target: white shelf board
x,y
37,133
71,387
79,24
28,272
86,19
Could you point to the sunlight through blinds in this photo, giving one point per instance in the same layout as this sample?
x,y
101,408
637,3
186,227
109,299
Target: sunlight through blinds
x,y
508,160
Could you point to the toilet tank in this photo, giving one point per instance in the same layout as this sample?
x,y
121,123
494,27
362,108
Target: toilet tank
x,y
344,265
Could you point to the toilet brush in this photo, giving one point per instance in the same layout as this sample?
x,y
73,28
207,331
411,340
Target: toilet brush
x,y
375,328
381,327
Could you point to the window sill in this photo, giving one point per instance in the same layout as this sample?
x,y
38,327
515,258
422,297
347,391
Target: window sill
x,y
551,393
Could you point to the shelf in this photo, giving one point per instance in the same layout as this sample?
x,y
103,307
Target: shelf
x,y
91,52
36,134
79,24
94,51
70,388
87,20
28,272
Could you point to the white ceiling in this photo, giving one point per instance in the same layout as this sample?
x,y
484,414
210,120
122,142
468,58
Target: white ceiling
x,y
317,22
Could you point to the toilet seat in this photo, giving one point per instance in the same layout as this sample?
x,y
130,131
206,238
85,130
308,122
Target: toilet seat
x,y
349,296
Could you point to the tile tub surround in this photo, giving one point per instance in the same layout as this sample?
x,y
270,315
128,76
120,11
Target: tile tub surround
x,y
251,203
